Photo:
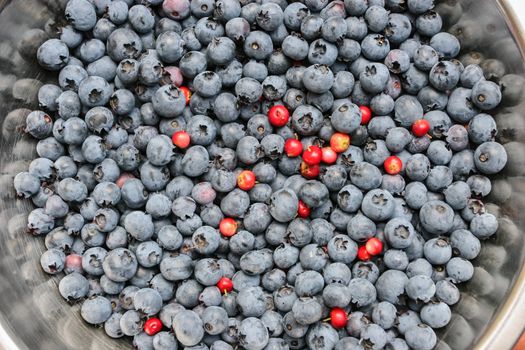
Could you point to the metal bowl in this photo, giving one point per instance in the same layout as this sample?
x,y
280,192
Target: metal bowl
x,y
490,313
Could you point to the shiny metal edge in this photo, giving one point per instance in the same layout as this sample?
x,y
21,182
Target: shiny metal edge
x,y
7,339
508,324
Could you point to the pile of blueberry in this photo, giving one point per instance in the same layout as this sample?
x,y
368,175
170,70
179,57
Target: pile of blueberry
x,y
237,174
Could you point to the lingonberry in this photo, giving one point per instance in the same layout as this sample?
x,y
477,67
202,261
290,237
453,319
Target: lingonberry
x,y
366,114
152,326
123,178
303,211
187,93
225,285
293,148
393,165
310,171
374,246
313,155
329,156
246,180
278,115
338,317
73,263
181,139
363,254
340,142
420,127
228,227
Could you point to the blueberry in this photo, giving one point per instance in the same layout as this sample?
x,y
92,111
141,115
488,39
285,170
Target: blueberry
x,y
294,15
374,335
420,336
362,292
258,45
253,334
131,323
436,315
391,285
445,44
431,99
407,109
465,244
484,225
346,118
326,333
96,310
123,43
444,75
376,18
53,54
292,328
490,157
170,264
486,95
120,264
459,270
336,295
374,77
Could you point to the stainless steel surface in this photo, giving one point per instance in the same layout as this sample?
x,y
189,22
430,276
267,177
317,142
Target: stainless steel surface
x,y
34,316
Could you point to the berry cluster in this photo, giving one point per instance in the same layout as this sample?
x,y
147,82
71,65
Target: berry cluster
x,y
220,174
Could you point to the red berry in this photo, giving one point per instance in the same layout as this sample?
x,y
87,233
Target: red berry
x,y
181,139
338,317
187,93
310,171
340,142
363,254
293,148
225,285
313,155
329,156
228,227
278,115
123,178
246,180
366,114
73,263
303,211
374,246
152,326
420,127
393,165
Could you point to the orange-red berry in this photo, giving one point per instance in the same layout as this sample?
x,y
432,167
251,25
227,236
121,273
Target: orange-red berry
x,y
313,155
329,156
246,180
340,142
363,254
228,227
338,317
310,171
393,165
374,246
420,127
302,210
293,148
225,285
366,114
152,326
278,115
187,93
181,139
